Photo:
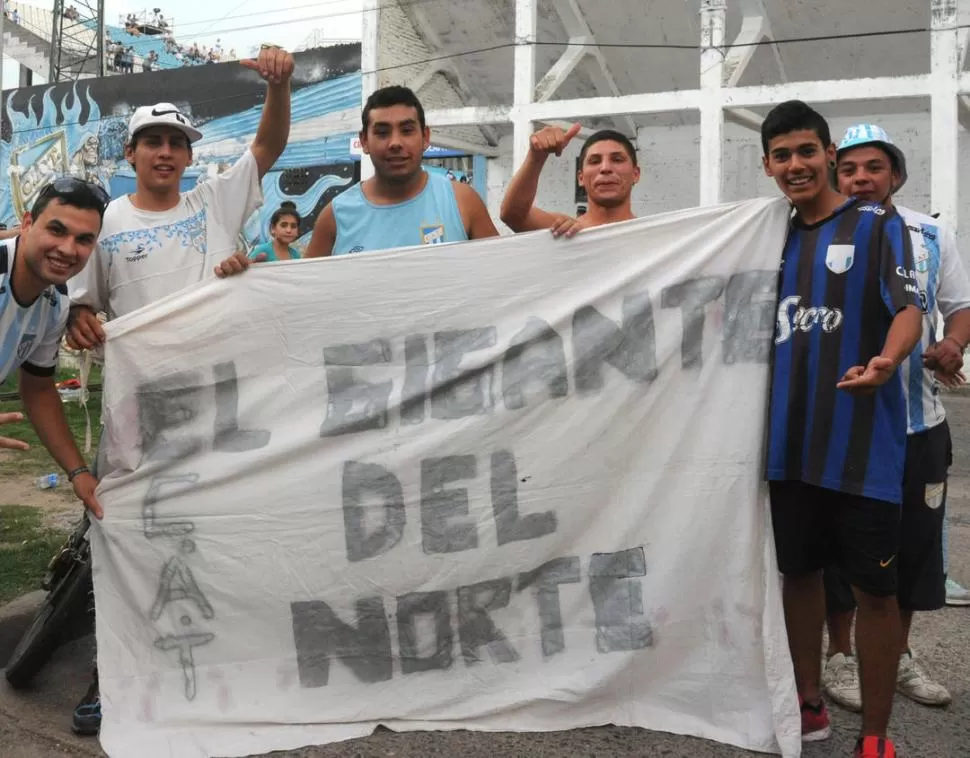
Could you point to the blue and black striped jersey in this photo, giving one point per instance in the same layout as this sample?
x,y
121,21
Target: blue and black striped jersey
x,y
842,282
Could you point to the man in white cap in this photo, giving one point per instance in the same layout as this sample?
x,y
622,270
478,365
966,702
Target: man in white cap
x,y
160,240
869,166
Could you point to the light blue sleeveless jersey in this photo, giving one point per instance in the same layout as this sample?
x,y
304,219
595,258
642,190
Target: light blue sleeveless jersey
x,y
431,218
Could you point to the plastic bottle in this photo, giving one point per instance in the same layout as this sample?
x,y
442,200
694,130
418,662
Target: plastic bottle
x,y
47,482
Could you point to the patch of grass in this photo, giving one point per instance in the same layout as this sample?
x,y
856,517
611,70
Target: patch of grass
x,y
26,547
36,461
18,523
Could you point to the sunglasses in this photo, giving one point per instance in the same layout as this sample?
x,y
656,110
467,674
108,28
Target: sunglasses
x,y
76,190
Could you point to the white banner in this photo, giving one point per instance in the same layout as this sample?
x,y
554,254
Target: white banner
x,y
511,485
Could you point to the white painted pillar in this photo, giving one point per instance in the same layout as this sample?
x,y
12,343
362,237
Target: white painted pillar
x,y
524,78
3,4
944,93
713,14
370,38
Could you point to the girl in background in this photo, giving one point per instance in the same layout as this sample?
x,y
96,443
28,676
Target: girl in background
x,y
284,228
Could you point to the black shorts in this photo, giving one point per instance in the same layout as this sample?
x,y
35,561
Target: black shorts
x,y
815,527
922,579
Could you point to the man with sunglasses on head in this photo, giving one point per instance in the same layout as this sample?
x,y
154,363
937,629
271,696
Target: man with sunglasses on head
x,y
161,240
55,240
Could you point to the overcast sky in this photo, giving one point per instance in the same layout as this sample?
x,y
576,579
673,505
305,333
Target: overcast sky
x,y
239,24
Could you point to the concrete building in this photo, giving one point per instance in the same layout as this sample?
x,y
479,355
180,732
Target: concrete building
x,y
693,80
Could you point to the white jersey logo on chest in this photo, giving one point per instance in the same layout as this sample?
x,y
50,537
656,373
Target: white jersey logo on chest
x,y
838,258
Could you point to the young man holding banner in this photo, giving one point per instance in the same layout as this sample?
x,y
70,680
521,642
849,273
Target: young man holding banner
x,y
402,205
160,240
872,168
848,315
608,172
56,239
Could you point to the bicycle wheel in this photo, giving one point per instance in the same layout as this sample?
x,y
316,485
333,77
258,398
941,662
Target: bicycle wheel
x,y
46,631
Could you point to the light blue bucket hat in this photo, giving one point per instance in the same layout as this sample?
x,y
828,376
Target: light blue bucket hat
x,y
870,134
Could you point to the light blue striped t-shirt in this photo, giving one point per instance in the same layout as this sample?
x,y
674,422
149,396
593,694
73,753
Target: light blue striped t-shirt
x,y
944,284
30,334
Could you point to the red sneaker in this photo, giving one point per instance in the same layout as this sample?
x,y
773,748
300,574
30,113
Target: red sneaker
x,y
872,747
815,722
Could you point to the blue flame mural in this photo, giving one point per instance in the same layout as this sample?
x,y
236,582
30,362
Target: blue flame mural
x,y
80,128
47,140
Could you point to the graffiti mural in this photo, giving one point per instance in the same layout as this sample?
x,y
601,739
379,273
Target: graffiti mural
x,y
80,128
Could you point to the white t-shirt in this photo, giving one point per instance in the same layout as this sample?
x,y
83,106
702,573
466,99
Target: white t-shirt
x,y
143,256
943,279
30,335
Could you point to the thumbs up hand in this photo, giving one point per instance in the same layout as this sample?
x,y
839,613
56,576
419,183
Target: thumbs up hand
x,y
552,140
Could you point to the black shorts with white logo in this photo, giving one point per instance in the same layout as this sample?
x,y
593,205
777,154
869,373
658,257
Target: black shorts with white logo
x,y
922,579
816,527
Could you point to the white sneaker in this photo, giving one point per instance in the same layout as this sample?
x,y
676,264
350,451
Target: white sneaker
x,y
956,595
913,681
840,681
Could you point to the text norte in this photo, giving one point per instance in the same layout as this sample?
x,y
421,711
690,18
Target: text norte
x,y
535,356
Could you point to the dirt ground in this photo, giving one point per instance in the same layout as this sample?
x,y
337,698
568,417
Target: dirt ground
x,y
61,508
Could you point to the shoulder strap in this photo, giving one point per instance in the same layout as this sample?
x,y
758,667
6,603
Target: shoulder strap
x,y
4,261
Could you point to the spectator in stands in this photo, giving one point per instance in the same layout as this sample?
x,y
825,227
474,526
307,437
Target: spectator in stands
x,y
128,60
15,16
118,56
71,13
232,54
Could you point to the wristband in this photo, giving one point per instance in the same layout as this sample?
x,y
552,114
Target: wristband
x,y
77,472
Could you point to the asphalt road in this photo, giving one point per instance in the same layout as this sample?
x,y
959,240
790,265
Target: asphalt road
x,y
36,724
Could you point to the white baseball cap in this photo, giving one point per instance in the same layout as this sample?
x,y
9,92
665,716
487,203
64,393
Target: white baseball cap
x,y
162,114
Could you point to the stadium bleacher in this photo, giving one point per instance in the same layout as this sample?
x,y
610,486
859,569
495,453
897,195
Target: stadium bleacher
x,y
40,21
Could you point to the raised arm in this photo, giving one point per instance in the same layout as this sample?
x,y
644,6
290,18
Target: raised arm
x,y
518,210
275,66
